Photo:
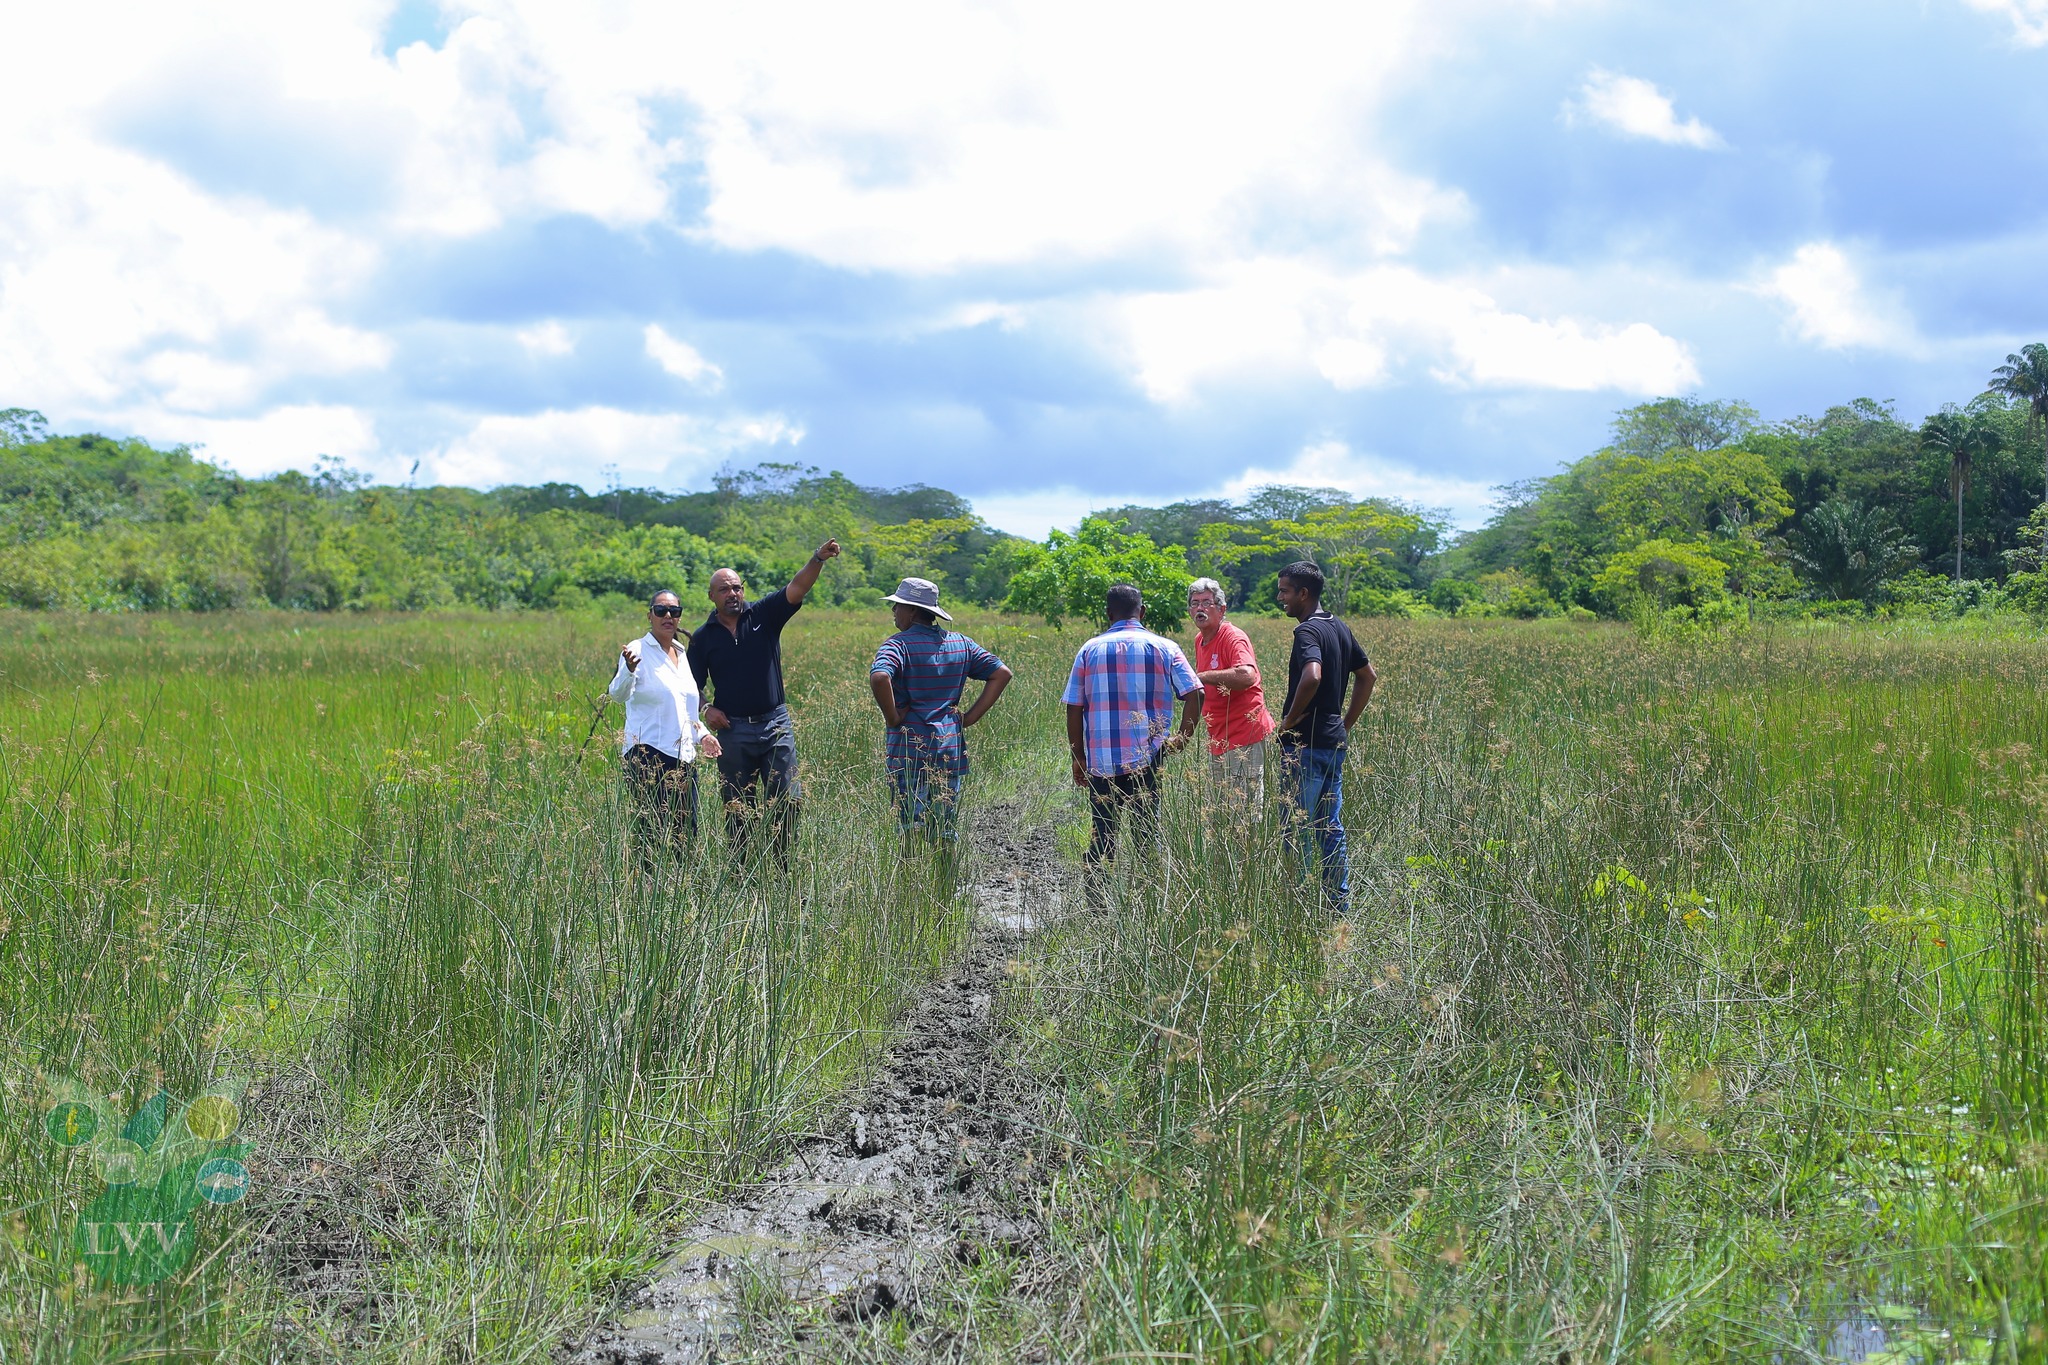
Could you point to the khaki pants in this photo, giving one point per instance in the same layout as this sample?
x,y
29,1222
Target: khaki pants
x,y
1238,776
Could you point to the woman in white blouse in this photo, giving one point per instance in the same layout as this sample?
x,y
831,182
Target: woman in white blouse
x,y
664,734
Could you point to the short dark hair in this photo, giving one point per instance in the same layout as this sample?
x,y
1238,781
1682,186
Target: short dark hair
x,y
1304,574
1124,601
665,592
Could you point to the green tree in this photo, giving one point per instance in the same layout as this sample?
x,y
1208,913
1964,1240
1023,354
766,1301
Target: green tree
x,y
1652,429
1663,574
22,426
1962,438
1070,575
1687,494
1355,543
916,548
2024,378
1848,550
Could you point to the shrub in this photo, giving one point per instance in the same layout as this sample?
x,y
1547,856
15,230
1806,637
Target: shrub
x,y
1660,575
1070,575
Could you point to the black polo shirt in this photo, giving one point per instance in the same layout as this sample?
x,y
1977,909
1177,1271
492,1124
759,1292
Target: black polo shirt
x,y
743,669
1322,639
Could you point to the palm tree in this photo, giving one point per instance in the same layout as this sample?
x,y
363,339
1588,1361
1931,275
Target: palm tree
x,y
1963,438
1847,550
2024,377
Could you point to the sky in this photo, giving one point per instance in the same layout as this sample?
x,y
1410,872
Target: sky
x,y
1054,256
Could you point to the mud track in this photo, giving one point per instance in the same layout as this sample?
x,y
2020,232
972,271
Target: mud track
x,y
927,1177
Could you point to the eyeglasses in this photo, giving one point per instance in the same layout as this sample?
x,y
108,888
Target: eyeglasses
x,y
670,612
1195,602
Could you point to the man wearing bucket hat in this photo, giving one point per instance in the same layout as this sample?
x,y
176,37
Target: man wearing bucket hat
x,y
918,676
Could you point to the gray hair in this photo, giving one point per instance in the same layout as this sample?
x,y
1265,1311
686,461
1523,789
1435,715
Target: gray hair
x,y
1210,585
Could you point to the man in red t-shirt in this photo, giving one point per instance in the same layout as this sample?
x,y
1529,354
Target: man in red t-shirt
x,y
1234,707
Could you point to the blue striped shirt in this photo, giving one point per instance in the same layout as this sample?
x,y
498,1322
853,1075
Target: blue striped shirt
x,y
929,667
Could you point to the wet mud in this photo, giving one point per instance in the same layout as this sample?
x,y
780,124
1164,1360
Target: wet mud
x,y
926,1177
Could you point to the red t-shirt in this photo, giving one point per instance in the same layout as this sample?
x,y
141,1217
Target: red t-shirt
x,y
1240,718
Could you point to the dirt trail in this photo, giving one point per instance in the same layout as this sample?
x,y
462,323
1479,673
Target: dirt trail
x,y
927,1174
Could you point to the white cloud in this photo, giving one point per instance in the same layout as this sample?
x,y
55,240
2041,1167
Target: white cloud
x,y
1320,464
1036,513
287,437
2029,18
125,285
1830,304
548,338
1278,318
1334,464
1635,108
660,447
956,135
682,360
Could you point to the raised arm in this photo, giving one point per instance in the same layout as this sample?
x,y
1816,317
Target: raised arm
x,y
622,681
807,577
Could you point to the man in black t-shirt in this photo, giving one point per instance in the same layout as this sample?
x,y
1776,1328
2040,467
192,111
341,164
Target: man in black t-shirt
x,y
737,655
1313,732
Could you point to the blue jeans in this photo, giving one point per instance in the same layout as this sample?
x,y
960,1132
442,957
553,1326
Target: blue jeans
x,y
1314,780
757,778
927,799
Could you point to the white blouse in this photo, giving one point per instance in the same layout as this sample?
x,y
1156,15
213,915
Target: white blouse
x,y
661,701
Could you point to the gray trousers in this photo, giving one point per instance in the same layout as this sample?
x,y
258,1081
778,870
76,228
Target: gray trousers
x,y
757,781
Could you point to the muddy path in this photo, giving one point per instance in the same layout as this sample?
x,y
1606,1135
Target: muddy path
x,y
913,1218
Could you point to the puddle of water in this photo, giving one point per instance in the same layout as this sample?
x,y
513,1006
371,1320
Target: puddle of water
x,y
1855,1340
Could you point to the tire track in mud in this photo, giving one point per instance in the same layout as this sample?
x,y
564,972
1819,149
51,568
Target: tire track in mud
x,y
925,1178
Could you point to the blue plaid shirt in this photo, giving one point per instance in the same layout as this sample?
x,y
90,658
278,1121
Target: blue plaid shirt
x,y
1127,680
929,667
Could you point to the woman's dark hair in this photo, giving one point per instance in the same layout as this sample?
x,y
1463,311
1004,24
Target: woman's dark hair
x,y
665,592
1303,574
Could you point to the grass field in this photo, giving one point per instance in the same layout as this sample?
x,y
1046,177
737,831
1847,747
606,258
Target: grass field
x,y
1691,1009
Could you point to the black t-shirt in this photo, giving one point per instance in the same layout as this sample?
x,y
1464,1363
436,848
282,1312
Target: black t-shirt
x,y
743,669
1322,639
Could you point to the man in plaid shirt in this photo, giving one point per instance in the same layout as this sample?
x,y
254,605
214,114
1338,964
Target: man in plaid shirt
x,y
1119,710
918,675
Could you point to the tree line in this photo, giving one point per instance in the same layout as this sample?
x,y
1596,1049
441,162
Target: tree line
x,y
1695,509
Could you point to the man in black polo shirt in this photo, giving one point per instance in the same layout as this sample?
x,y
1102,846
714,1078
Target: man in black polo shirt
x,y
737,653
1313,732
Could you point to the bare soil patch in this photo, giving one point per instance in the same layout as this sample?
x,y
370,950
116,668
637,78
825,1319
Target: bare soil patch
x,y
925,1182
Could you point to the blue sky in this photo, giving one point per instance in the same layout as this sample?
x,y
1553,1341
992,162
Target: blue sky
x,y
1050,255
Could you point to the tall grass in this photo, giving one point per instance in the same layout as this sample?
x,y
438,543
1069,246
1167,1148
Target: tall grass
x,y
1689,1011
374,866
1690,1008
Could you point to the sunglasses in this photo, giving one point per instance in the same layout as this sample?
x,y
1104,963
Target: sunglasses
x,y
670,612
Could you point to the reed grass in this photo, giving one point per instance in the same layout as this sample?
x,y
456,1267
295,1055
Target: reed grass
x,y
373,866
1689,1011
1690,1008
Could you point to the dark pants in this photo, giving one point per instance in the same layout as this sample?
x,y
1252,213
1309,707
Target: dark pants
x,y
1314,781
757,780
664,791
1110,800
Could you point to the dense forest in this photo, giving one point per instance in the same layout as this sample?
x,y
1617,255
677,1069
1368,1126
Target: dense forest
x,y
1695,509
